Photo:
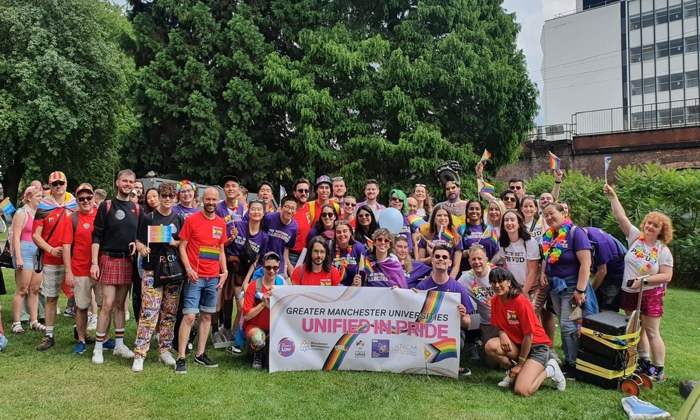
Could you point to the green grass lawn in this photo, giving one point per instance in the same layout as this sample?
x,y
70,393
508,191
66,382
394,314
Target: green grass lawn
x,y
58,384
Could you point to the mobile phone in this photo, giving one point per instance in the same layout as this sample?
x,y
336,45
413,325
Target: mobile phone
x,y
630,282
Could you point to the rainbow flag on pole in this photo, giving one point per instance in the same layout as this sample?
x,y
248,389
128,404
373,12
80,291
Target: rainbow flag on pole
x,y
160,234
7,207
415,221
485,156
485,187
554,162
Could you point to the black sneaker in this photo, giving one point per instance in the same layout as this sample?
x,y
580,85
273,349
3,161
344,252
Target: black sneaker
x,y
181,366
46,343
205,361
569,371
257,360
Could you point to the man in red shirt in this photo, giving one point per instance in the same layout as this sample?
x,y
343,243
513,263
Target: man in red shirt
x,y
323,197
202,253
77,252
301,194
317,269
48,236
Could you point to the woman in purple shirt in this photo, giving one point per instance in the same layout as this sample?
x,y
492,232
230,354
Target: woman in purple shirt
x,y
346,253
473,232
382,269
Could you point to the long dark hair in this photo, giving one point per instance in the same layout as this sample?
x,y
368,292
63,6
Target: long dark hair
x,y
307,259
319,223
434,229
360,232
523,234
499,274
481,218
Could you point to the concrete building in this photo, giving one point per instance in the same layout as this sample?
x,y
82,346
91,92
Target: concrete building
x,y
618,65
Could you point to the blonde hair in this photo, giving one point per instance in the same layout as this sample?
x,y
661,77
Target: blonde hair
x,y
474,248
666,233
28,193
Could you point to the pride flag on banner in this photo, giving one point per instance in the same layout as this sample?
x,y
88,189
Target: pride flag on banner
x,y
554,162
485,156
440,350
7,207
160,234
485,187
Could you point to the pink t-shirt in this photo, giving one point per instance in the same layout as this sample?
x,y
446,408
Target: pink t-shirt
x,y
27,229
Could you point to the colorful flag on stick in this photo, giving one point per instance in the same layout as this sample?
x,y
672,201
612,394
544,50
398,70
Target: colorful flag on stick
x,y
415,221
160,234
485,187
485,156
554,162
7,207
606,161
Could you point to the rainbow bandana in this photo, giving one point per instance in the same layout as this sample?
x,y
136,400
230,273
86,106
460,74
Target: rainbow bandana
x,y
552,247
335,358
440,350
209,253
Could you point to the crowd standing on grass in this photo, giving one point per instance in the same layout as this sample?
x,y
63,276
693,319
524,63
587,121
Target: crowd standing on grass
x,y
518,263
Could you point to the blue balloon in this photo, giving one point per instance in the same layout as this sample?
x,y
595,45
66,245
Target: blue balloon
x,y
391,219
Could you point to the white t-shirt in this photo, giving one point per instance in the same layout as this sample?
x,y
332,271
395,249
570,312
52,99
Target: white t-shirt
x,y
644,260
536,229
516,255
480,289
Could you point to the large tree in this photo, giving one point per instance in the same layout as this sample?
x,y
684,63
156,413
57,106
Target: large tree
x,y
64,89
282,88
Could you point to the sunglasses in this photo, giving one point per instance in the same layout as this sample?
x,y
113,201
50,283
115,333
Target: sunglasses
x,y
85,198
272,267
363,216
382,241
166,196
516,187
329,215
301,191
57,183
346,204
508,198
441,257
395,199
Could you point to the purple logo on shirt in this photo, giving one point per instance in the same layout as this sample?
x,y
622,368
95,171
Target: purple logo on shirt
x,y
380,348
285,347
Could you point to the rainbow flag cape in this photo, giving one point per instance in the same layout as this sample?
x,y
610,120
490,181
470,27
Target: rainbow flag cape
x,y
415,221
160,234
485,156
440,350
554,162
485,187
209,253
48,204
7,207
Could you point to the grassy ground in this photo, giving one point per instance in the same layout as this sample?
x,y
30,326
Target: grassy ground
x,y
58,384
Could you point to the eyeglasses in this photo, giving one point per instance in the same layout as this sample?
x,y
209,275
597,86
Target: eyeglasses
x,y
329,215
509,198
302,191
516,187
363,216
395,199
167,196
272,267
85,198
441,257
381,240
57,183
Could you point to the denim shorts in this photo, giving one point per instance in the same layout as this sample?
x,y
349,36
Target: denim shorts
x,y
540,353
200,296
27,249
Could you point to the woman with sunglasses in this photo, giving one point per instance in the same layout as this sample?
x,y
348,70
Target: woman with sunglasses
x,y
521,347
347,254
347,210
472,232
425,202
414,271
510,200
325,226
381,268
440,231
365,225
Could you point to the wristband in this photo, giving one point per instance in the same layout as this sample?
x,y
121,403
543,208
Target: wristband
x,y
522,359
581,291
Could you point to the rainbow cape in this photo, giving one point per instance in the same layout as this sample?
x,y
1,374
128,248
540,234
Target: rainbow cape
x,y
7,207
440,350
554,162
48,204
160,234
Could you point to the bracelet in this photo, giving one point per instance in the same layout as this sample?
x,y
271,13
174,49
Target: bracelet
x,y
95,264
583,292
522,359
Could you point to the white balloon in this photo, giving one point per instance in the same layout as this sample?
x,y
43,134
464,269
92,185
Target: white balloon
x,y
391,219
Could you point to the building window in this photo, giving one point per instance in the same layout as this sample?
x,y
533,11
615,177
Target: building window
x,y
648,19
677,115
690,9
661,16
692,114
664,116
662,49
676,81
675,46
691,78
635,22
675,13
649,85
636,86
647,52
691,43
663,82
636,54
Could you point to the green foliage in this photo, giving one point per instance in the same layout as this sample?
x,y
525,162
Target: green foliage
x,y
641,190
286,88
64,84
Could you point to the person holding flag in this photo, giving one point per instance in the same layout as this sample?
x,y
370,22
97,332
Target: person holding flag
x,y
380,268
157,242
440,231
348,253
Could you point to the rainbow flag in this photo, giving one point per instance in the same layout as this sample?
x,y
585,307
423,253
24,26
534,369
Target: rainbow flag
x,y
440,350
209,253
335,358
491,234
7,207
48,204
554,162
431,306
447,235
160,234
485,187
485,156
415,221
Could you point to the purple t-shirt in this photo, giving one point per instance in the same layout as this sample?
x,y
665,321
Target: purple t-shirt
x,y
352,259
472,234
230,216
279,236
607,250
419,272
185,211
406,233
567,266
422,243
247,246
450,286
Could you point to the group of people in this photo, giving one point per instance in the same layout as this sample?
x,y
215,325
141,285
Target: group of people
x,y
197,262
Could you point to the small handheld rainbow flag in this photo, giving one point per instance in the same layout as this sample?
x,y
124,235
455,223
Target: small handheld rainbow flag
x,y
491,234
485,187
362,264
447,235
160,234
415,221
485,156
554,162
7,207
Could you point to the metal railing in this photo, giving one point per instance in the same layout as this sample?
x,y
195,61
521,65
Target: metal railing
x,y
551,133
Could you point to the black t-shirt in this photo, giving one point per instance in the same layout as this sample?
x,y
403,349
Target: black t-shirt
x,y
116,230
159,249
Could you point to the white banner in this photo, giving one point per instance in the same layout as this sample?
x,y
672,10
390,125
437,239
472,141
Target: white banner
x,y
364,328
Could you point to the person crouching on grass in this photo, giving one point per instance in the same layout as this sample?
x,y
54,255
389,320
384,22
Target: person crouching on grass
x,y
522,346
256,307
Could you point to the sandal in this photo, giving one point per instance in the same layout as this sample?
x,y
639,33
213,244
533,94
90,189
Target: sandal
x,y
38,326
17,328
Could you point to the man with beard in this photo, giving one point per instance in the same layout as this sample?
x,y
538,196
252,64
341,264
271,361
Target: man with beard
x,y
454,203
339,189
301,195
317,269
113,244
371,195
201,248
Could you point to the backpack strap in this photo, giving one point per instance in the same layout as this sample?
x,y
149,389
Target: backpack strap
x,y
74,219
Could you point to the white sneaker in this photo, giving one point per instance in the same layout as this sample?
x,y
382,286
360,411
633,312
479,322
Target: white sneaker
x,y
137,366
219,340
92,322
554,372
167,358
97,357
506,381
123,351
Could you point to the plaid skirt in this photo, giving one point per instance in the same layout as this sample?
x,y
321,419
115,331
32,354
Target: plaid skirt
x,y
115,271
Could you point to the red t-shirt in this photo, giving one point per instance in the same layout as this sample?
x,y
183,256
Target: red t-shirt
x,y
301,277
517,319
47,224
81,239
205,238
262,319
302,219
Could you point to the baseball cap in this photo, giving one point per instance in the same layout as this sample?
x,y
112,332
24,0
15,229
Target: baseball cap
x,y
84,187
227,178
57,176
323,179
